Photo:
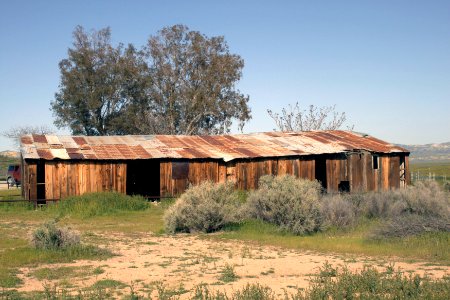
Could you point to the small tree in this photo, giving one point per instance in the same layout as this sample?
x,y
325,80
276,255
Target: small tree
x,y
293,118
14,133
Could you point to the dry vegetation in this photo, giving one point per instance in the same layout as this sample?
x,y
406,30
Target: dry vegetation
x,y
121,250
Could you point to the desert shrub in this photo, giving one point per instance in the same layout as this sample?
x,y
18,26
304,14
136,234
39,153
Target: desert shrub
x,y
206,207
337,210
227,274
289,202
98,204
254,291
424,207
381,204
425,198
370,283
446,186
49,236
409,225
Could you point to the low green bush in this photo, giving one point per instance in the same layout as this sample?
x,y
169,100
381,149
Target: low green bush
x,y
50,237
370,283
206,207
100,204
289,202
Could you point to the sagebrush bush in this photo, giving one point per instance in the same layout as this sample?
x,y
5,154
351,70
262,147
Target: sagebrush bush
x,y
425,198
289,202
206,207
98,204
49,236
410,225
337,210
424,207
369,283
446,186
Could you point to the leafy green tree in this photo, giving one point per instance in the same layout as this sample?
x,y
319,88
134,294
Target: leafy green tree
x,y
91,98
181,82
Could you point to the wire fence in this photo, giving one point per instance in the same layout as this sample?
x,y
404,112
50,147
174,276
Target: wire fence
x,y
418,176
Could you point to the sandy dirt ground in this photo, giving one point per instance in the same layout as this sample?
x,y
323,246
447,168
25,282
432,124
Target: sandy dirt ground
x,y
184,261
4,186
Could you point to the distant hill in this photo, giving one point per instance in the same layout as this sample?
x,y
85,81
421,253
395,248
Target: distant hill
x,y
429,152
10,153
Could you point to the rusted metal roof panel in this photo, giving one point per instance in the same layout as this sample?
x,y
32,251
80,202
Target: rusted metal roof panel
x,y
225,147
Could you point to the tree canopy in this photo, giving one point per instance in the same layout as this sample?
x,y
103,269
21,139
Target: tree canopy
x,y
180,82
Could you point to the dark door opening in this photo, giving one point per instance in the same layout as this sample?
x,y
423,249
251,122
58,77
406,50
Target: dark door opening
x,y
143,178
321,171
40,180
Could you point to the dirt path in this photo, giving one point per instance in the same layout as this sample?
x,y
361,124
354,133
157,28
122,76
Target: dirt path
x,y
184,261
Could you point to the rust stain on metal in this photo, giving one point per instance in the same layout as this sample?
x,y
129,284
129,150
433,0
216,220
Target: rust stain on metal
x,y
56,146
79,140
74,155
44,154
26,140
39,138
226,147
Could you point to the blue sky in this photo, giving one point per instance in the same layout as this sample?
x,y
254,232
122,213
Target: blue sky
x,y
385,63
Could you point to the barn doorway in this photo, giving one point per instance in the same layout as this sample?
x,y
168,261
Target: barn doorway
x,y
143,178
40,181
321,171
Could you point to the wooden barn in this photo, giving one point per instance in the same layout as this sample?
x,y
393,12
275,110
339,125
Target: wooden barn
x,y
162,165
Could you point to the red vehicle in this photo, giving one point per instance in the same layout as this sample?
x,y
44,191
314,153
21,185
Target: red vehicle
x,y
13,177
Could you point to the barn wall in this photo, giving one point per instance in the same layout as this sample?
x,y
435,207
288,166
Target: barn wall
x,y
337,172
244,173
65,178
358,169
198,171
29,179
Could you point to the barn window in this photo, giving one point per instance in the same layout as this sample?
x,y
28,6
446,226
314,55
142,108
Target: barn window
x,y
180,170
375,162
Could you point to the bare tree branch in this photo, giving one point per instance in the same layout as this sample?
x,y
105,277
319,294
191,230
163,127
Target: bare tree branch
x,y
14,133
293,118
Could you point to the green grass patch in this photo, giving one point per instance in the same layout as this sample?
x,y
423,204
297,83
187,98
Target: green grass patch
x,y
11,194
439,170
108,284
227,274
65,272
99,204
430,246
13,258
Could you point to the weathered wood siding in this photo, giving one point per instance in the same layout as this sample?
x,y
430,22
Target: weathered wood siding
x,y
63,179
358,169
244,173
198,171
66,178
29,180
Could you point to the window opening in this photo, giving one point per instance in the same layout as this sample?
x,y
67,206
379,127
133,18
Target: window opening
x,y
375,162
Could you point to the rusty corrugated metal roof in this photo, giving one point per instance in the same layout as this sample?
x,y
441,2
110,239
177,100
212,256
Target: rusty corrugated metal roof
x,y
226,147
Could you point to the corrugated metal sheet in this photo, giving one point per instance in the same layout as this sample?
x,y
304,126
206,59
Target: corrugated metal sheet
x,y
226,147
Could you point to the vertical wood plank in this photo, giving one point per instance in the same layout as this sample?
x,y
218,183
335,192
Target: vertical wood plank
x,y
48,180
407,171
32,179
